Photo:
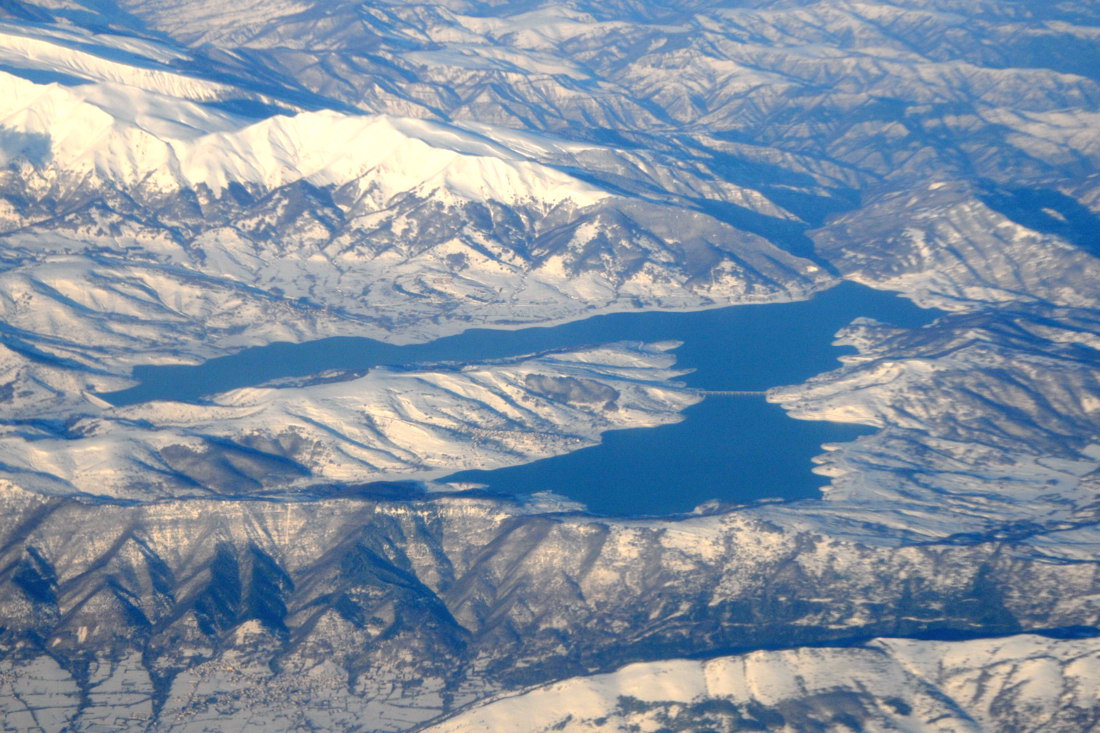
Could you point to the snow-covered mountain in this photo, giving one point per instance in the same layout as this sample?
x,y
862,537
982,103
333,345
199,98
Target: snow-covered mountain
x,y
1027,684
183,180
344,428
365,611
141,226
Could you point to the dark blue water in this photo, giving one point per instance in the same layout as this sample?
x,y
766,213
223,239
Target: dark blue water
x,y
730,449
734,449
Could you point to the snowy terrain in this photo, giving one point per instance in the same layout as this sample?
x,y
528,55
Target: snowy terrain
x,y
344,428
386,613
1028,684
183,180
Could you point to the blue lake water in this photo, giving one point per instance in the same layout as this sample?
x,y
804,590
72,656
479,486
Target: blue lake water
x,y
733,449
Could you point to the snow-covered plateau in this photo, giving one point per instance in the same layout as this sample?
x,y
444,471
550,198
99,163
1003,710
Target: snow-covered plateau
x,y
182,180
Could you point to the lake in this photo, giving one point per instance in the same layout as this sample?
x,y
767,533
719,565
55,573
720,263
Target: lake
x,y
730,448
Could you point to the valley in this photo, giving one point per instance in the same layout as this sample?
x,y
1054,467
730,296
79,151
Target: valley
x,y
270,273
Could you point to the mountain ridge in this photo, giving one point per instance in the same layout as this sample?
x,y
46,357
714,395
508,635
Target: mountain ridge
x,y
258,173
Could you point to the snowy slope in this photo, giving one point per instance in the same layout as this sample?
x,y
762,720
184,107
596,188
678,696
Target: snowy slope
x,y
390,613
126,205
1023,683
182,180
135,138
352,428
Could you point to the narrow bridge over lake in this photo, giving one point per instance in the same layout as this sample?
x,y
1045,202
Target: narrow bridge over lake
x,y
731,392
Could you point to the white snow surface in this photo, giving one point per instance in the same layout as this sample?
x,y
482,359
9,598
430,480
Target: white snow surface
x,y
1020,683
130,136
187,232
408,424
